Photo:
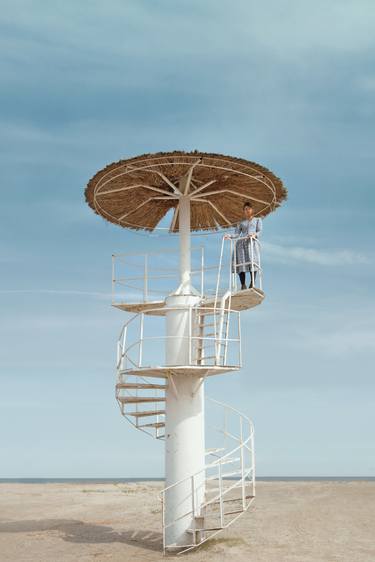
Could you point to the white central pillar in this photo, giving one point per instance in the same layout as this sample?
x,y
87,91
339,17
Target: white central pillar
x,y
185,250
184,427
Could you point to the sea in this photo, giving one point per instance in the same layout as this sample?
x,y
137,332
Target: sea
x,y
145,479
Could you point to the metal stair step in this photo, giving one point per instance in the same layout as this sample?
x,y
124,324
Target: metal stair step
x,y
146,413
136,399
140,385
233,512
214,450
178,546
230,499
156,425
227,460
211,356
204,529
234,473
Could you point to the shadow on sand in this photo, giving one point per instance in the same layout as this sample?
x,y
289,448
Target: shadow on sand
x,y
80,532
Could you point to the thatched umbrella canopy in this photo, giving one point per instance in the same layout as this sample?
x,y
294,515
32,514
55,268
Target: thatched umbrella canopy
x,y
138,192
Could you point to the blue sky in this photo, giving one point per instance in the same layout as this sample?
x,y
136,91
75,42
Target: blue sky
x,y
290,85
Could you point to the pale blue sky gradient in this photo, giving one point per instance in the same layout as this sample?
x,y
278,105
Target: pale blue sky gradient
x,y
288,84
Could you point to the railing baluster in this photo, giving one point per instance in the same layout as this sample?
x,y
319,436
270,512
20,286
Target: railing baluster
x,y
251,429
242,466
193,497
239,339
190,335
202,271
260,270
141,342
113,278
221,497
163,518
145,282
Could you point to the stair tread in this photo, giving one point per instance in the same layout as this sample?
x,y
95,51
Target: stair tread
x,y
156,425
146,413
234,473
227,460
140,385
205,529
136,399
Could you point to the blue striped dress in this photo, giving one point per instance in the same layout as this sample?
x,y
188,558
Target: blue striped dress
x,y
243,245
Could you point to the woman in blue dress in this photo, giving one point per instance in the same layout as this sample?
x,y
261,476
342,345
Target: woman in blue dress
x,y
244,259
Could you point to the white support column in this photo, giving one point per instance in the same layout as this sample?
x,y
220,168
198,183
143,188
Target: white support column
x,y
185,250
184,429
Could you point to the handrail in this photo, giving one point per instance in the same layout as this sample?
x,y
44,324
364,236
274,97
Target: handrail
x,y
141,274
255,266
221,458
219,338
245,479
154,252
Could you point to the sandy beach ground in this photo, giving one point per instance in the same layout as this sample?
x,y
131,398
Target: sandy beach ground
x,y
289,521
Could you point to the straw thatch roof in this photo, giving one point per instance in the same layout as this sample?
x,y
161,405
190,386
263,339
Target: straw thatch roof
x,y
138,192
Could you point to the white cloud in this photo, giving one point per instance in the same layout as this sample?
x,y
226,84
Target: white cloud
x,y
63,292
344,341
292,254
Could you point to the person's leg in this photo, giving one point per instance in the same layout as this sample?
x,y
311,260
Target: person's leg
x,y
242,279
253,276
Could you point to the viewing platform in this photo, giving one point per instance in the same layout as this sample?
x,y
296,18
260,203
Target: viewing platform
x,y
211,339
141,281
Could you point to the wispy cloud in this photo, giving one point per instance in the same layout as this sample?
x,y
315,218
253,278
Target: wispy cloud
x,y
62,292
345,341
291,254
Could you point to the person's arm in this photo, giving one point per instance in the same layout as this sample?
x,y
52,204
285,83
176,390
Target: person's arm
x,y
236,233
258,229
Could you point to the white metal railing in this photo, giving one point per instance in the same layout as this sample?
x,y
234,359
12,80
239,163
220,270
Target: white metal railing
x,y
139,348
233,259
228,482
150,277
139,387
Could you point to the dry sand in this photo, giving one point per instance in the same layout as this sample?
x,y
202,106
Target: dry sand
x,y
290,521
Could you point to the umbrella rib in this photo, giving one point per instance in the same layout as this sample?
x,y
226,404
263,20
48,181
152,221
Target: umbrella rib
x,y
202,187
168,181
216,209
190,175
141,205
174,219
237,193
133,187
272,186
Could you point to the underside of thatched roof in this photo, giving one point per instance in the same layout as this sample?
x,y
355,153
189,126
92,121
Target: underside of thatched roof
x,y
138,192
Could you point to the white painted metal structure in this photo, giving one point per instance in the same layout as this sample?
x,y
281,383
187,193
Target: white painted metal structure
x,y
165,395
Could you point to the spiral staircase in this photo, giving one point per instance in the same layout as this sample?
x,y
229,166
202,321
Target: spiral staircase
x,y
227,482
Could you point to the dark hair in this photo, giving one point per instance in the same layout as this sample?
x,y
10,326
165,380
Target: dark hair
x,y
247,204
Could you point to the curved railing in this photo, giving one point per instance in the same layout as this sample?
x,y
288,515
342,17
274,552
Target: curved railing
x,y
136,387
227,278
148,277
228,483
141,350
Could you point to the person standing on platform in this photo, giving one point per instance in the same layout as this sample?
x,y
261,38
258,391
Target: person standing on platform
x,y
246,252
